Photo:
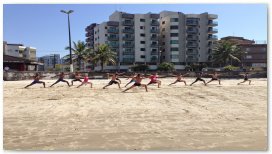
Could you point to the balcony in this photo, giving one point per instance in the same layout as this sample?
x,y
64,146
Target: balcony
x,y
154,59
114,45
128,23
212,38
212,23
88,40
131,31
154,23
154,38
112,30
154,53
212,31
113,38
154,31
154,45
194,30
194,37
212,16
191,45
191,23
128,53
128,45
128,38
193,59
191,52
128,60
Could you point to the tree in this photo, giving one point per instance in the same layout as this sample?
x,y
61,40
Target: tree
x,y
80,51
166,66
226,52
104,55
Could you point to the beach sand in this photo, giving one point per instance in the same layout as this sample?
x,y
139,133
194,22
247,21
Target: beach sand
x,y
177,117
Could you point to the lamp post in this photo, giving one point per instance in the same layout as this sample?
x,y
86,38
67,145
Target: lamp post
x,y
71,62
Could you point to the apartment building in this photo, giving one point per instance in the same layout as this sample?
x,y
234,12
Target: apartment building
x,y
154,38
50,62
186,38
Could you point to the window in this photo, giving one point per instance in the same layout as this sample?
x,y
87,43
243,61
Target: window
x,y
163,29
174,34
154,50
142,27
106,34
174,42
174,49
143,35
106,27
163,36
163,22
174,56
248,57
163,43
142,56
142,42
142,49
153,42
247,49
142,20
174,20
173,27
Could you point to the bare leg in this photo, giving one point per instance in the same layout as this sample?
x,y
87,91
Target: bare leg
x,y
209,81
173,83
249,81
193,82
128,83
241,82
159,83
55,83
119,85
29,85
91,84
129,88
219,81
80,85
106,86
143,85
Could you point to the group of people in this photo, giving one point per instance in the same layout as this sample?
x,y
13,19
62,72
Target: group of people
x,y
135,78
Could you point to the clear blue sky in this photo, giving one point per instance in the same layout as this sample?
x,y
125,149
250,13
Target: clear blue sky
x,y
44,27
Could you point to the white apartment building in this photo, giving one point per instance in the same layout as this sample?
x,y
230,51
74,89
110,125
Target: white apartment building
x,y
50,61
154,38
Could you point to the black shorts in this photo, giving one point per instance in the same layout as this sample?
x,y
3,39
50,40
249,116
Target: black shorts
x,y
76,80
214,79
137,84
113,82
34,82
199,79
61,80
245,79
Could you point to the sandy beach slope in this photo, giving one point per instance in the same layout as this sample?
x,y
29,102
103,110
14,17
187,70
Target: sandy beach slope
x,y
178,117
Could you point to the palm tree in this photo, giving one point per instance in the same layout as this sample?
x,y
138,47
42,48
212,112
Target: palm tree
x,y
225,52
80,50
104,55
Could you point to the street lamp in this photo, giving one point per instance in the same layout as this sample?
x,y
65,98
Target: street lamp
x,y
71,62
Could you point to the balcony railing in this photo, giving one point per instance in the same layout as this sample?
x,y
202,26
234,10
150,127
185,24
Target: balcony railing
x,y
128,53
113,38
191,45
193,23
128,38
113,45
154,23
154,31
192,59
128,23
214,37
128,31
213,23
128,45
154,53
192,38
154,38
115,31
192,30
213,30
194,52
154,45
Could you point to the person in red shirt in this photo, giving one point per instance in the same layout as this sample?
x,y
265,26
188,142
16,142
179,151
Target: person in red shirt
x,y
85,81
154,80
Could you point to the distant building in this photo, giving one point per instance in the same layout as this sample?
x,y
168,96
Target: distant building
x,y
50,62
255,55
18,57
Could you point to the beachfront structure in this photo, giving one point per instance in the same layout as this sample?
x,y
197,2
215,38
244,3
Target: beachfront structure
x,y
19,50
50,62
17,57
186,38
154,38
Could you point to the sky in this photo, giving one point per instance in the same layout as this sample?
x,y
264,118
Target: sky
x,y
44,27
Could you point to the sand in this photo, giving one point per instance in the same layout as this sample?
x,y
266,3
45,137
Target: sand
x,y
178,117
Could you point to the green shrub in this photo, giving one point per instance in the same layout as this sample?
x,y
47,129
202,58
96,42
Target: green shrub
x,y
166,66
230,68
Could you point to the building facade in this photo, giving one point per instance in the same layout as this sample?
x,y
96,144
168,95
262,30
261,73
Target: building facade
x,y
154,38
21,51
50,62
